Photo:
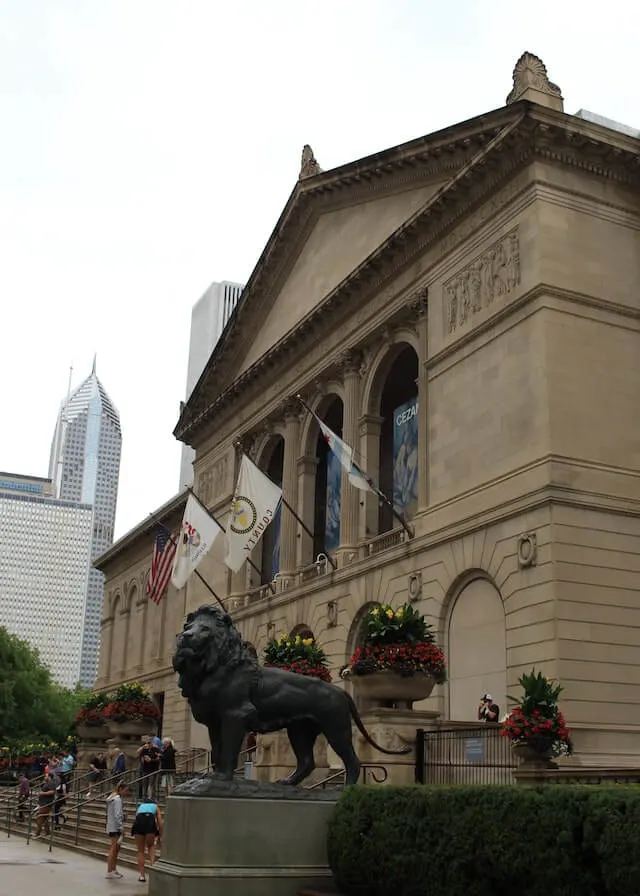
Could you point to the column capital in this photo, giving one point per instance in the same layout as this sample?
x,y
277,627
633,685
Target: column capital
x,y
350,362
291,410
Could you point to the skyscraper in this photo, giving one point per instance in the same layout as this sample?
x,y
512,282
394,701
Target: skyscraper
x,y
208,319
84,467
44,571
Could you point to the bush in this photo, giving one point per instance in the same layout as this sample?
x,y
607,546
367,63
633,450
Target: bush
x,y
487,841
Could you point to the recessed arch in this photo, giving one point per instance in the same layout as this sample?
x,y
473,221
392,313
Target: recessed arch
x,y
302,630
474,628
355,636
381,365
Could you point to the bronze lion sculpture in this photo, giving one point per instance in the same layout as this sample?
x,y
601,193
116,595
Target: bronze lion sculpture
x,y
231,693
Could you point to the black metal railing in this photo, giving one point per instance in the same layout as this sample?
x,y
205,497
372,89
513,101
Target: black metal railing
x,y
458,755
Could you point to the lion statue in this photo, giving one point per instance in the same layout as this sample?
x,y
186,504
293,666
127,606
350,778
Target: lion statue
x,y
231,693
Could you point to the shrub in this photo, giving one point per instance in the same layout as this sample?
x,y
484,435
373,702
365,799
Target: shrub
x,y
297,654
487,841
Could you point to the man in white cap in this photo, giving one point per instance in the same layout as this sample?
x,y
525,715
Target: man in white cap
x,y
488,711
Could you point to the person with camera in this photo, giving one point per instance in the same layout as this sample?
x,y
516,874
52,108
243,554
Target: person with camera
x,y
488,711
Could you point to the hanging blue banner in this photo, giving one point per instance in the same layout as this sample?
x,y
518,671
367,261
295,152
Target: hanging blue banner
x,y
405,458
332,516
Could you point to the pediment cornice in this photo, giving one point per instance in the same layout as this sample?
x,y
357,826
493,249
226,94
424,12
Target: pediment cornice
x,y
493,154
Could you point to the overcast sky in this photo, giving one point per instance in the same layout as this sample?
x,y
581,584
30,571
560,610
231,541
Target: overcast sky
x,y
147,148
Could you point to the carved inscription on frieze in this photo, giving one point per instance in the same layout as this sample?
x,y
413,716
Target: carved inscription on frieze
x,y
212,483
489,278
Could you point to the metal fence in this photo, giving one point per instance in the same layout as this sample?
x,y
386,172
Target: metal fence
x,y
478,755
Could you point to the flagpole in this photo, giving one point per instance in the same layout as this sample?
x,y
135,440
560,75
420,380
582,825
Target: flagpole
x,y
206,510
173,541
293,513
405,525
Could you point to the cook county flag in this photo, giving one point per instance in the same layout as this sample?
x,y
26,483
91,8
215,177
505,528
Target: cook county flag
x,y
254,506
197,535
357,477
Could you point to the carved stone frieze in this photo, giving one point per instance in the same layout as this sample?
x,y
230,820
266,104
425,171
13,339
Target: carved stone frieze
x,y
490,277
213,483
350,362
419,302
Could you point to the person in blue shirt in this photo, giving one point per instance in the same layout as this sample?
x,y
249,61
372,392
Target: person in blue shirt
x,y
147,829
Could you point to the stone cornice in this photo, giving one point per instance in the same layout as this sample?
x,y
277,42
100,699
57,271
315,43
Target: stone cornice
x,y
534,131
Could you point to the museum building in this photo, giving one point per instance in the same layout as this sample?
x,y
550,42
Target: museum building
x,y
464,310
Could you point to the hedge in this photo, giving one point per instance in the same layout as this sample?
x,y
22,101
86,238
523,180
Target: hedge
x,y
487,841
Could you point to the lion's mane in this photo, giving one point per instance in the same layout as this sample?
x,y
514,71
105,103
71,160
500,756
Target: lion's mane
x,y
214,643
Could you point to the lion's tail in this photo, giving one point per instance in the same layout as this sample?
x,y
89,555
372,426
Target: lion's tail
x,y
363,731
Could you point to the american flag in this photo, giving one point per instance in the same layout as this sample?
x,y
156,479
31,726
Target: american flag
x,y
164,550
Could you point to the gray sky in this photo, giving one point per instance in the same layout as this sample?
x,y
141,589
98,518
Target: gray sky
x,y
148,146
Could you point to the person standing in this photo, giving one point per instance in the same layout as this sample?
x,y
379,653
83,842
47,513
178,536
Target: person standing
x,y
149,757
168,764
147,828
119,765
97,769
488,711
24,791
46,798
115,828
60,802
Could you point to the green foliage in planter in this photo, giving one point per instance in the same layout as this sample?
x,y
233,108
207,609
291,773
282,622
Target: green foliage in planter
x,y
487,841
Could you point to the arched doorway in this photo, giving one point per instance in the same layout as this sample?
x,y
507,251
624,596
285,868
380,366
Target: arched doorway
x,y
271,539
477,649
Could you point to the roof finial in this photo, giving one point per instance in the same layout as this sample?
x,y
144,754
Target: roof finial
x,y
530,82
93,369
309,165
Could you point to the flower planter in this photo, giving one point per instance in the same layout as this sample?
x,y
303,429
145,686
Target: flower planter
x,y
388,688
131,728
92,734
534,757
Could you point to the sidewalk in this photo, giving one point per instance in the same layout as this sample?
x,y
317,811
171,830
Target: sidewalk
x,y
33,869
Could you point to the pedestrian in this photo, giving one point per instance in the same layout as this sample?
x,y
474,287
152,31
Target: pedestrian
x,y
168,764
60,802
97,769
147,829
115,828
149,757
119,766
24,792
46,798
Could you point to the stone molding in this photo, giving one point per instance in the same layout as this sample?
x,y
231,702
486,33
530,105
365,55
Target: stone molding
x,y
530,73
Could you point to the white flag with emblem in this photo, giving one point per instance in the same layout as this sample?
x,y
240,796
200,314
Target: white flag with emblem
x,y
197,535
254,506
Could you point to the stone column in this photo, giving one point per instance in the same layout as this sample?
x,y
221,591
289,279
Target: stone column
x,y
420,307
288,523
350,496
370,426
307,470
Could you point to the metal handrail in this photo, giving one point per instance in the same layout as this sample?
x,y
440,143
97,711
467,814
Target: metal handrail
x,y
365,766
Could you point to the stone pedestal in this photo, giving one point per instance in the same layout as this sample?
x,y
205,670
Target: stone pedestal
x,y
92,739
394,729
274,757
241,838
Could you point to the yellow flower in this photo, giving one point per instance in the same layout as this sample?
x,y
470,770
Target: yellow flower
x,y
298,639
375,612
400,611
307,642
389,614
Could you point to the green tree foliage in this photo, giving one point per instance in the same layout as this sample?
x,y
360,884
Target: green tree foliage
x,y
33,708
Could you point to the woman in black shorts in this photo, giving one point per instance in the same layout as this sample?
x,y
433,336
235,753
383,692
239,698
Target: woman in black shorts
x,y
147,827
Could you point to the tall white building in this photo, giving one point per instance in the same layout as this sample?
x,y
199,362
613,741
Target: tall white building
x,y
84,467
45,548
208,319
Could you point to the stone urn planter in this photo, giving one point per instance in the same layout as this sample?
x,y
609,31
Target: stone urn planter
x,y
387,688
131,729
539,756
92,734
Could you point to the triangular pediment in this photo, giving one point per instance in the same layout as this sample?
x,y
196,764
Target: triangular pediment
x,y
338,242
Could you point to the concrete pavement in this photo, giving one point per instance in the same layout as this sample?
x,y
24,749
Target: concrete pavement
x,y
34,870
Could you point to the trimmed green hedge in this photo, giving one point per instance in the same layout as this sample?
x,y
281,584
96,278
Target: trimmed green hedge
x,y
487,841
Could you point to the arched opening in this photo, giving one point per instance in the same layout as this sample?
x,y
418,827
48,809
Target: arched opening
x,y
477,649
271,538
355,639
399,438
303,631
326,520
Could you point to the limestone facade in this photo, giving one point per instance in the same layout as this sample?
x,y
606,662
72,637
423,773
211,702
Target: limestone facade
x,y
491,271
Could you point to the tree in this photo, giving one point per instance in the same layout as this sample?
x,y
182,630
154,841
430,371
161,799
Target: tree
x,y
33,708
